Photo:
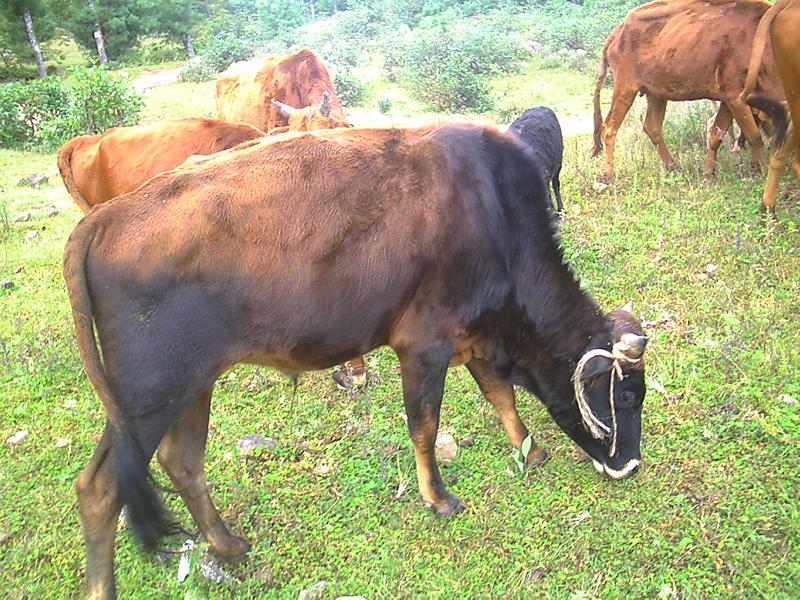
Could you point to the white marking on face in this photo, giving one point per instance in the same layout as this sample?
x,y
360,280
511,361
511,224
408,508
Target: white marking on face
x,y
629,467
598,466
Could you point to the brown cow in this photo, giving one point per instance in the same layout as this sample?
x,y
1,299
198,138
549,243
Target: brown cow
x,y
96,168
682,50
781,26
245,90
304,250
309,118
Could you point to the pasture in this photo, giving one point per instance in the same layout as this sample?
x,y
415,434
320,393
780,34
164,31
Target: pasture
x,y
712,513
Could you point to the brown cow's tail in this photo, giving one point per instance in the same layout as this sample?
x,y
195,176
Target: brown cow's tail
x,y
777,113
759,44
598,115
145,510
64,160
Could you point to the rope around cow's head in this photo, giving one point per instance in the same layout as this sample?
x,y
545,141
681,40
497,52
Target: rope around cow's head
x,y
618,355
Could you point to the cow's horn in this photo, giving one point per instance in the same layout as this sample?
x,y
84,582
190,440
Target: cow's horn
x,y
285,110
632,345
325,105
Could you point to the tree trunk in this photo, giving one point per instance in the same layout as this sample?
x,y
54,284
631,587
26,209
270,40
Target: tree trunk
x,y
187,43
335,7
98,36
311,5
37,51
206,8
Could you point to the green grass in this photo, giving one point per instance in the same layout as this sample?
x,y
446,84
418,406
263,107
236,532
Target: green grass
x,y
713,512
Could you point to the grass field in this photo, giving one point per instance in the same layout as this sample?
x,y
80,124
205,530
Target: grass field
x,y
713,512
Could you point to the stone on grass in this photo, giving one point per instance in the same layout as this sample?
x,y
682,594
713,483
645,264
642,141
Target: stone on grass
x,y
62,442
250,443
17,437
467,442
787,399
6,284
22,217
33,180
599,187
210,569
50,210
314,592
446,448
31,234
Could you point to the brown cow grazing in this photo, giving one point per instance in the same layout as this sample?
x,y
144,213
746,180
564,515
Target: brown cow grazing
x,y
305,250
682,50
245,90
781,26
309,118
96,168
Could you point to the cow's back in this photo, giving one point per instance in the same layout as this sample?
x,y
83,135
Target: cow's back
x,y
689,49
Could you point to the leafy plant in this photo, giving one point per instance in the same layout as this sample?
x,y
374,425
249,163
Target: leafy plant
x,y
384,105
520,455
349,88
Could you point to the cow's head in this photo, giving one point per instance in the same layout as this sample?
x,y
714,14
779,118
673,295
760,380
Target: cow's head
x,y
308,118
609,391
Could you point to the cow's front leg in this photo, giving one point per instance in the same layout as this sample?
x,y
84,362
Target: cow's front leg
x,y
423,385
501,395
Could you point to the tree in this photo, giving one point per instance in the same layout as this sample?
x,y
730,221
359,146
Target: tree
x,y
24,25
179,19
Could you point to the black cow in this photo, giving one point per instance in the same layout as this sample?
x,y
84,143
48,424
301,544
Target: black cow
x,y
539,129
306,250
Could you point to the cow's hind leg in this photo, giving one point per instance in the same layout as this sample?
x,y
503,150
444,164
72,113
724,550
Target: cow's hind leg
x,y
501,395
99,509
423,375
717,130
182,455
621,101
744,116
557,189
654,128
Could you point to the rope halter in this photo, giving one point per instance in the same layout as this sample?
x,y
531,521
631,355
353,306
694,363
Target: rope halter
x,y
594,425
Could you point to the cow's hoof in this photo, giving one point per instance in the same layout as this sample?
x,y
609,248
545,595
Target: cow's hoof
x,y
342,379
233,551
537,457
448,506
359,378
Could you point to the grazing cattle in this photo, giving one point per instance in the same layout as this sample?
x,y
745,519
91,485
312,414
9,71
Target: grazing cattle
x,y
305,250
539,129
96,168
781,27
246,89
309,118
682,50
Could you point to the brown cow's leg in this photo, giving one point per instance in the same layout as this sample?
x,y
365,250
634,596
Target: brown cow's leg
x,y
99,510
778,160
716,132
501,395
182,455
653,127
744,116
621,102
423,375
796,164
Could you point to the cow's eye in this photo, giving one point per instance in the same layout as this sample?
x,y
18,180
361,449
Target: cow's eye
x,y
626,400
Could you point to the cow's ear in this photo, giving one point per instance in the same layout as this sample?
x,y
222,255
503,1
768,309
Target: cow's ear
x,y
595,366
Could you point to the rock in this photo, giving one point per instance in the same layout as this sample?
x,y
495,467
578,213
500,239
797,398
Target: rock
x,y
211,570
70,403
249,443
17,437
62,442
31,234
787,399
599,187
122,520
22,217
467,442
323,470
50,210
446,448
4,538
711,268
33,180
314,592
730,408
6,284
534,575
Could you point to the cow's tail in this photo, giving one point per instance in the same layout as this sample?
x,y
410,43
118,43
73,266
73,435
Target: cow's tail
x,y
146,513
601,79
64,160
777,113
759,45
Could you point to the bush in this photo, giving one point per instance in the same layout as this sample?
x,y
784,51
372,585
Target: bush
x,y
26,108
384,105
447,69
45,113
197,71
349,88
221,51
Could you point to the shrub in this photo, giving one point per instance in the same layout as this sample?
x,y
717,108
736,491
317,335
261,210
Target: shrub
x,y
26,107
46,112
197,71
220,51
349,88
447,69
384,105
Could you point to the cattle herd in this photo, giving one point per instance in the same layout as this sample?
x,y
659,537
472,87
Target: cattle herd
x,y
244,239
